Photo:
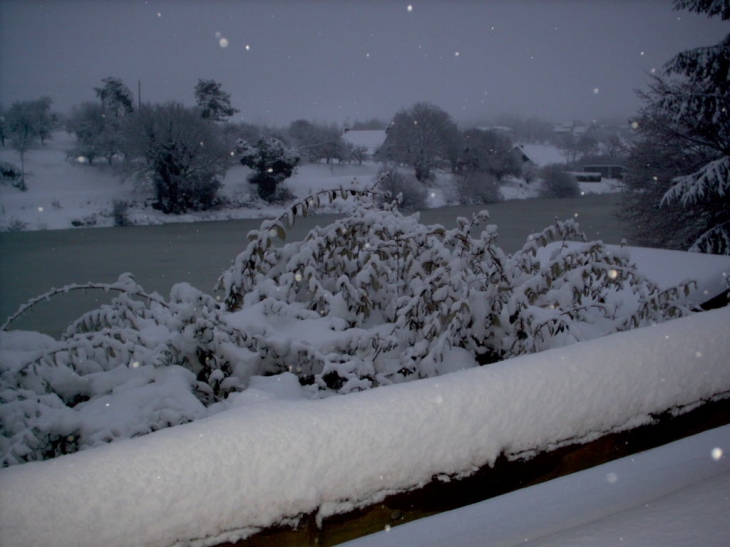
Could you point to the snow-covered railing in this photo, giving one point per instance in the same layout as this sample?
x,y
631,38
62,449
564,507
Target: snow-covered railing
x,y
269,462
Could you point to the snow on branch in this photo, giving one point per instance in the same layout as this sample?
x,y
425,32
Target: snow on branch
x,y
711,181
125,284
715,240
707,64
710,7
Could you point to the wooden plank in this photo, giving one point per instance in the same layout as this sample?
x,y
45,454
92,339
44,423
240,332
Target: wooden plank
x,y
507,475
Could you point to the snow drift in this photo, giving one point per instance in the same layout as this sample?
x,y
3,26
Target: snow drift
x,y
271,461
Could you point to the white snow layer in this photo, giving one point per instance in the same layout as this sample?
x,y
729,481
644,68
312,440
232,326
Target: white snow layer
x,y
674,495
257,464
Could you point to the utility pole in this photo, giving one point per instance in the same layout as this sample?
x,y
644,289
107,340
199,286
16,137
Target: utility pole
x,y
139,94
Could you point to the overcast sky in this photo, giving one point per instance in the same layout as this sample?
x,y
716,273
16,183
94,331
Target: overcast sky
x,y
347,60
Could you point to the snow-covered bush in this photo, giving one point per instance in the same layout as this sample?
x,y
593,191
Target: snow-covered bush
x,y
410,193
372,299
176,152
272,163
138,364
528,172
557,183
17,225
10,173
406,294
85,222
476,188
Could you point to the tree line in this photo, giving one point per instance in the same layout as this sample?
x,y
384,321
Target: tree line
x,y
183,153
160,144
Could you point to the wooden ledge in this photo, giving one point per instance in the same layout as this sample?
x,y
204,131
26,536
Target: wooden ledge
x,y
505,476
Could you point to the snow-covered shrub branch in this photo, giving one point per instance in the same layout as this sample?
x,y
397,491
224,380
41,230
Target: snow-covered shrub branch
x,y
436,289
237,279
156,363
125,284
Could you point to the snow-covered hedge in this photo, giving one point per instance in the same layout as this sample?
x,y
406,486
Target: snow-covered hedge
x,y
410,292
372,299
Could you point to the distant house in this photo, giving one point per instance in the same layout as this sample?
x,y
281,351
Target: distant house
x,y
574,127
370,139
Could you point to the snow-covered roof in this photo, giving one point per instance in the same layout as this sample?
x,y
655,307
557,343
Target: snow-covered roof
x,y
542,154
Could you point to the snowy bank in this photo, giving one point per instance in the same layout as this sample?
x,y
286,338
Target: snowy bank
x,y
265,462
62,193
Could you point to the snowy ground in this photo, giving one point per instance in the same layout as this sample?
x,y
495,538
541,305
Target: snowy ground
x,y
252,466
61,191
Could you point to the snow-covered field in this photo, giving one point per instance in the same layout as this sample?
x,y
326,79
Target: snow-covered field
x,y
62,191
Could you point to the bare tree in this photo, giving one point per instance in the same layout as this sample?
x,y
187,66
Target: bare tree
x,y
422,136
615,146
318,142
97,135
25,123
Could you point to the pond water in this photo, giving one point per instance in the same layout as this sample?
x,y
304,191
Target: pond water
x,y
160,256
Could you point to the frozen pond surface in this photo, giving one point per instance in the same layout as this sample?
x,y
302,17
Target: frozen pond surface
x,y
160,256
